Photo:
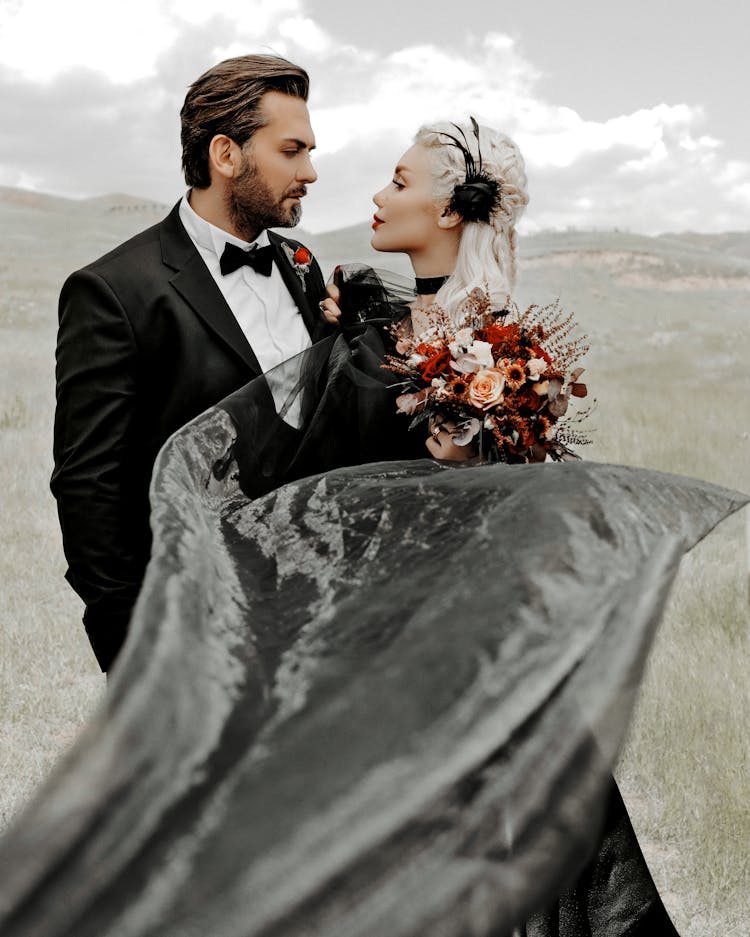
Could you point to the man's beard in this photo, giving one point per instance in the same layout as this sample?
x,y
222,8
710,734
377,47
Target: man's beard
x,y
253,207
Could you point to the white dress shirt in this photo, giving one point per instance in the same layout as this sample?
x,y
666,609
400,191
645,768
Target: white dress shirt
x,y
262,306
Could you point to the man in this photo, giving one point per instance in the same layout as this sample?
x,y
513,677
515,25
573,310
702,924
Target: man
x,y
176,318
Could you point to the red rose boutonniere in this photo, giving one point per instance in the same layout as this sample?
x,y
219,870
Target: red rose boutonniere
x,y
300,259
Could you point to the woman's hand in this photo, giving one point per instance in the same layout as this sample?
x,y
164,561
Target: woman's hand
x,y
330,306
441,446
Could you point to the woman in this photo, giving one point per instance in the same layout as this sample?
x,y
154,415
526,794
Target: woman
x,y
366,697
452,207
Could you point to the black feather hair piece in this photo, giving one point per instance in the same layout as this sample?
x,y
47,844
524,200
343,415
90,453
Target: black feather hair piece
x,y
479,194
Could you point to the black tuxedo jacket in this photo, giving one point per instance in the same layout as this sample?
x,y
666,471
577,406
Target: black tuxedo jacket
x,y
146,342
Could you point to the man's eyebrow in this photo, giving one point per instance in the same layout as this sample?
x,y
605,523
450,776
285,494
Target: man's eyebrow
x,y
300,143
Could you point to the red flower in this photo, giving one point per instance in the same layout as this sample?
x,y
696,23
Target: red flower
x,y
434,365
503,338
499,333
528,400
302,256
538,352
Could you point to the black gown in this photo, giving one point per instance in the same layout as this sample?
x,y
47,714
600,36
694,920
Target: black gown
x,y
363,697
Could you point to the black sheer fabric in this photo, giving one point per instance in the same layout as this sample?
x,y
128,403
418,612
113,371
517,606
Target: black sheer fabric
x,y
614,895
363,697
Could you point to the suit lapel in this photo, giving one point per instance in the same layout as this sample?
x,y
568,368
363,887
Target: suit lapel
x,y
294,284
197,287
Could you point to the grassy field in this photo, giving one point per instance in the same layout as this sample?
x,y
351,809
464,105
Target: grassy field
x,y
669,323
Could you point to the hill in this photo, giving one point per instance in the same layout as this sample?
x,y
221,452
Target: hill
x,y
84,228
665,262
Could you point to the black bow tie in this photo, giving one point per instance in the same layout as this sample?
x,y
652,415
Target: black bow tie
x,y
259,258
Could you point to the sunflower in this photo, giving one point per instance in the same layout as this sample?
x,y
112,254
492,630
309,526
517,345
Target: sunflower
x,y
458,387
515,375
543,425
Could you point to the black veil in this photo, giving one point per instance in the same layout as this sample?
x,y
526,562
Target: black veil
x,y
364,692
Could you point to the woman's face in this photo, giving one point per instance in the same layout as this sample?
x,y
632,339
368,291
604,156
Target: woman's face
x,y
407,215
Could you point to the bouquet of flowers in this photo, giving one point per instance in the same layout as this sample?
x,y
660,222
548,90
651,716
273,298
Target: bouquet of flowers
x,y
503,380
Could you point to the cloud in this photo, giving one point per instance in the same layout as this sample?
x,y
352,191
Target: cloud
x,y
87,129
652,170
105,144
83,117
303,31
39,39
362,95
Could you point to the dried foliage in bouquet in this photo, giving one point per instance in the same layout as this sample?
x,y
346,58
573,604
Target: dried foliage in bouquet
x,y
503,379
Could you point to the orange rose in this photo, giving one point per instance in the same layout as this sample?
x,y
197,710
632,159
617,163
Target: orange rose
x,y
302,256
486,389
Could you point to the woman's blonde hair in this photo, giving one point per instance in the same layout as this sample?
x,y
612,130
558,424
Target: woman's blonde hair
x,y
487,250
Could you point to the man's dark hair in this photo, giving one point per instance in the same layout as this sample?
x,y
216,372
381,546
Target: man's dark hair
x,y
226,99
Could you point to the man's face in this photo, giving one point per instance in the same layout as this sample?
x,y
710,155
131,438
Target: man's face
x,y
275,170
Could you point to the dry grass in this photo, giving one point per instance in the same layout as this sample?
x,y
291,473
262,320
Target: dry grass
x,y
48,678
686,764
681,392
670,374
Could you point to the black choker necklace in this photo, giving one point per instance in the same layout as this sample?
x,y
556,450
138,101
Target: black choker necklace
x,y
428,286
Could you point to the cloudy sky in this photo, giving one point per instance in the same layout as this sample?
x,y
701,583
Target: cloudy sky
x,y
629,115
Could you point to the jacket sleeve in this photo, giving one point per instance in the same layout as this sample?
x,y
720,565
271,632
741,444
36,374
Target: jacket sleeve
x,y
96,397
